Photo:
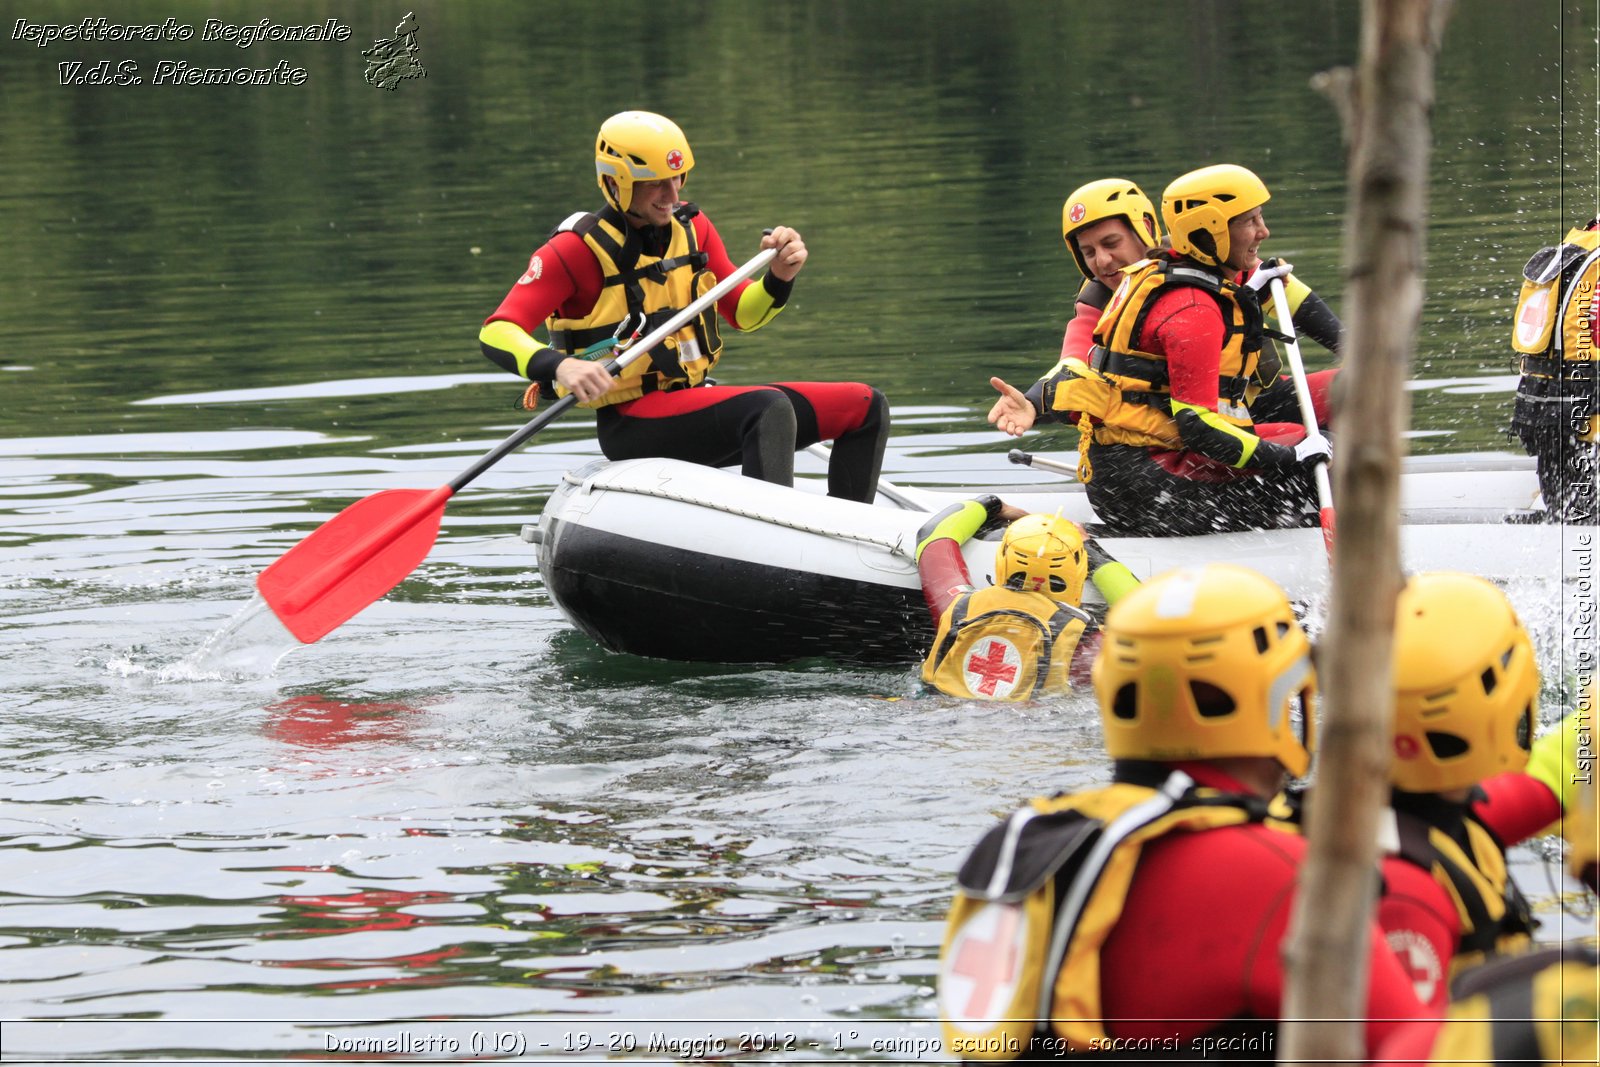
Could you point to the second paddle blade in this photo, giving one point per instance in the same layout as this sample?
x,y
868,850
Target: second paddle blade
x,y
352,559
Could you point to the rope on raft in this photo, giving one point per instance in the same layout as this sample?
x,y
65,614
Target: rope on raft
x,y
895,547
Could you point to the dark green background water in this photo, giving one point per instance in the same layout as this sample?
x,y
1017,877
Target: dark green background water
x,y
164,240
227,312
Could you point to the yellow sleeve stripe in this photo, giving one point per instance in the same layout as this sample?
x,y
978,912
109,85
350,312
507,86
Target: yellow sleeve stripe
x,y
1247,441
513,340
962,522
1114,580
1294,290
755,308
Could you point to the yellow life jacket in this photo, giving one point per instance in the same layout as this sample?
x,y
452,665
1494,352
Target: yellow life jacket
x,y
1000,643
638,287
1036,900
1558,286
1121,395
1467,861
1540,1007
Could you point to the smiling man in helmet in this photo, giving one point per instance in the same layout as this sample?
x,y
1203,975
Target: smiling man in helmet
x,y
623,270
1027,634
1168,442
1108,226
1466,704
1146,916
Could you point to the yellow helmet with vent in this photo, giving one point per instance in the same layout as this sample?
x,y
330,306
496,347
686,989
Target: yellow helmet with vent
x,y
1466,684
1108,198
1043,553
1205,663
1198,206
638,146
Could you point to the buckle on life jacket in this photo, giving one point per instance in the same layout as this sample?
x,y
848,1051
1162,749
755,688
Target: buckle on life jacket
x,y
1543,367
1106,361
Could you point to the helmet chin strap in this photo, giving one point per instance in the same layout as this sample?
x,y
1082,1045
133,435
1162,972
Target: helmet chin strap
x,y
616,197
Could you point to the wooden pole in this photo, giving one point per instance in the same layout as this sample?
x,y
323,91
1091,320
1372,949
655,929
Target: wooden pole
x,y
1389,101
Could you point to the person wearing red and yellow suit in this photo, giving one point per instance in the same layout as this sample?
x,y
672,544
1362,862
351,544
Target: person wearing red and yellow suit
x,y
1541,1006
1168,441
1027,635
1147,917
1107,226
629,267
1556,334
1466,684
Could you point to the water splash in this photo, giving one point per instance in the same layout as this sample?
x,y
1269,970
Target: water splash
x,y
249,645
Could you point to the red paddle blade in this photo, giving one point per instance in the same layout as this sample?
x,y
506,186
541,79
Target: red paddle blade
x,y
352,559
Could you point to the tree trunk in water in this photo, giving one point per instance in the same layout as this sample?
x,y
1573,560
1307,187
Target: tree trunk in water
x,y
1327,947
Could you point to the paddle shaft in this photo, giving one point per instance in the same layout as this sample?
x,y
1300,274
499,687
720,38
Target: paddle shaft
x,y
613,365
1028,459
350,554
1308,410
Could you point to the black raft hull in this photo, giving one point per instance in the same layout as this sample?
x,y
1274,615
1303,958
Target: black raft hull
x,y
661,558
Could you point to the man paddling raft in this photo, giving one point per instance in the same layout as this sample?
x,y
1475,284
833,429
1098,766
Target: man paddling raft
x,y
615,273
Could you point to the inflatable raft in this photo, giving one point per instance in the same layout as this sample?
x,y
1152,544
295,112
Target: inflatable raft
x,y
658,557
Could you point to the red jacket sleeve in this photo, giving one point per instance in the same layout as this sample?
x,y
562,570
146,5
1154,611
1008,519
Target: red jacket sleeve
x,y
562,275
943,571
1516,807
1079,337
1185,325
718,263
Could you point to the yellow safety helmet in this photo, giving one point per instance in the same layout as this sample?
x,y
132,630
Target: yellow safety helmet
x,y
638,146
1198,206
1043,553
1108,198
1204,663
1466,684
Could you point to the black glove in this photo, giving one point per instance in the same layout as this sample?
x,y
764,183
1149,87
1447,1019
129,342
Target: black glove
x,y
1098,557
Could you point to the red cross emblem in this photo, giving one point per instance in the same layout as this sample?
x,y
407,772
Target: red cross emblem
x,y
674,160
1421,962
994,666
1077,212
984,965
1530,324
